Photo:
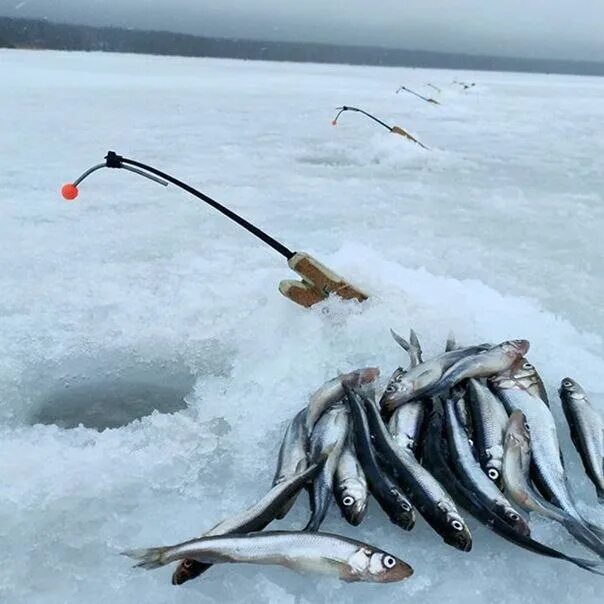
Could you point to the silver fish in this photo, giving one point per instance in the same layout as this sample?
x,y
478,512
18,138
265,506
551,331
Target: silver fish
x,y
587,431
516,476
332,392
319,553
489,422
255,518
484,364
350,487
293,454
516,469
327,440
512,387
405,386
470,473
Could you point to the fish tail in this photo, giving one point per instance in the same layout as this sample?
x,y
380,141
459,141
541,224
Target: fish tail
x,y
584,535
400,340
414,340
590,565
149,558
320,505
594,528
316,518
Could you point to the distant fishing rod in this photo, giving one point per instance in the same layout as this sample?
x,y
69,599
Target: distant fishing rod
x,y
419,96
318,281
393,129
464,85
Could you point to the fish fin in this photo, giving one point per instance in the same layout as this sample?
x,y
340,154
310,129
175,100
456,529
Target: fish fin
x,y
413,339
594,528
451,343
149,558
400,340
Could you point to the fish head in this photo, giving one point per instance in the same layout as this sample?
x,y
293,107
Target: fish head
x,y
571,389
368,374
518,428
493,470
185,571
353,503
518,438
403,515
386,568
515,348
376,566
515,520
455,531
398,390
523,370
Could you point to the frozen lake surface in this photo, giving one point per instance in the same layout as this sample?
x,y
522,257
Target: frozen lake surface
x,y
137,298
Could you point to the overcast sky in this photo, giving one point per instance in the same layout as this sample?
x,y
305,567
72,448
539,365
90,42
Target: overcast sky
x,y
565,29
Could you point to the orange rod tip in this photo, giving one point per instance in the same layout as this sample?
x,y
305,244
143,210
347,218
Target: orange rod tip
x,y
69,192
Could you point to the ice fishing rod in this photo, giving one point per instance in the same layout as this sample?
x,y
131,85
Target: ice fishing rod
x,y
113,160
393,129
318,281
419,96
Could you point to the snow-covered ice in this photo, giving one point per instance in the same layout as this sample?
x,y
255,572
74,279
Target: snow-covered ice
x,y
136,295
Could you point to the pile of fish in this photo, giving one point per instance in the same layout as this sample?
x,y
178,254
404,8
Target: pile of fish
x,y
468,429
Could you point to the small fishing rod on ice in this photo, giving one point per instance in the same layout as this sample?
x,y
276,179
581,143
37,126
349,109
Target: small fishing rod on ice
x,y
419,96
317,280
393,129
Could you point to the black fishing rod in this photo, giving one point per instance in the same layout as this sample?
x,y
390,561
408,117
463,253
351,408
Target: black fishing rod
x,y
419,96
393,129
318,281
375,119
113,160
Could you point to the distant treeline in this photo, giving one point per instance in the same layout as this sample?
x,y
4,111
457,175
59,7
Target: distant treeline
x,y
31,33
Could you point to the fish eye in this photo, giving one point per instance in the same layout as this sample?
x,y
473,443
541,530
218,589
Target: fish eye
x,y
493,474
527,365
348,500
513,516
458,526
405,506
390,388
527,427
187,564
567,384
389,561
